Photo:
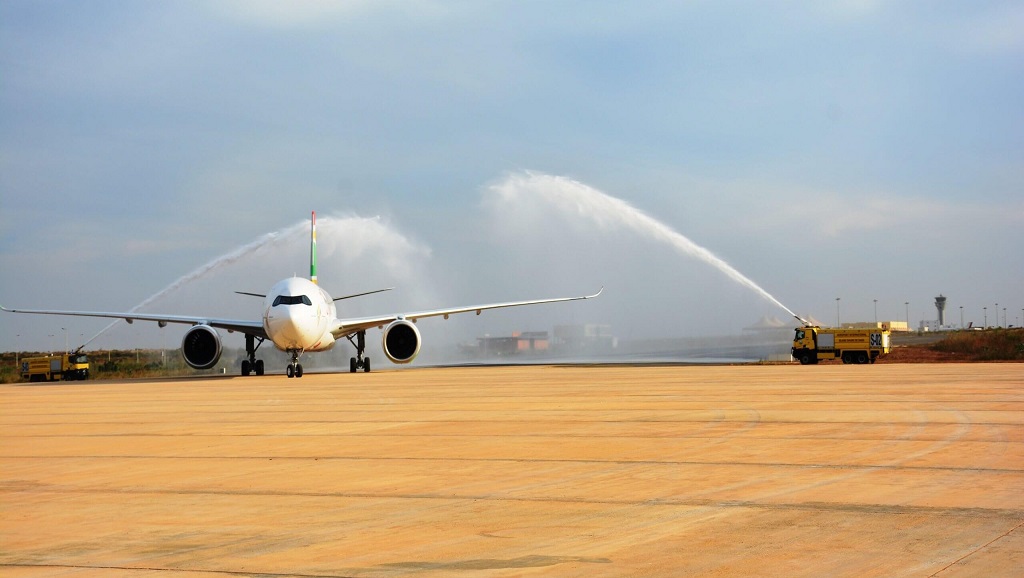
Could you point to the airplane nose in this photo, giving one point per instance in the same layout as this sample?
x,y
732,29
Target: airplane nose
x,y
289,330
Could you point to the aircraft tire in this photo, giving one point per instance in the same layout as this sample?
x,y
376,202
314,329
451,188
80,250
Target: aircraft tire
x,y
290,371
366,365
259,367
352,365
246,369
298,370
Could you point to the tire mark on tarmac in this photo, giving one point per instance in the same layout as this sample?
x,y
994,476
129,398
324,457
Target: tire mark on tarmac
x,y
978,549
882,509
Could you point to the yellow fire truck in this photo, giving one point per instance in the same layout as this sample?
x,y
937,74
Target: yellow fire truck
x,y
68,367
812,343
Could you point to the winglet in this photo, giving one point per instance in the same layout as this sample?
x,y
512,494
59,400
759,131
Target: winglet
x,y
312,251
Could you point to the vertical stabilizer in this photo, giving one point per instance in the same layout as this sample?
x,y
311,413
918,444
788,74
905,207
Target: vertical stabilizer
x,y
312,252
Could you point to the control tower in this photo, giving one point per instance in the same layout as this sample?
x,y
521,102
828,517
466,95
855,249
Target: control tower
x,y
940,304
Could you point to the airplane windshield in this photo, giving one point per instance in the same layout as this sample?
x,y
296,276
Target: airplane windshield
x,y
292,300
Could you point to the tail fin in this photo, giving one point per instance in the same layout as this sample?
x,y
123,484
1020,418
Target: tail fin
x,y
312,252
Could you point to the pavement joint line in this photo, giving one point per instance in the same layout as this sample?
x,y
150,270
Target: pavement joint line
x,y
532,460
254,574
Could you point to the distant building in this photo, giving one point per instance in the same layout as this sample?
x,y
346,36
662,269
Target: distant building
x,y
935,325
770,324
890,325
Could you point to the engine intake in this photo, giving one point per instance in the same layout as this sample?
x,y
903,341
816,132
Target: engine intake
x,y
401,341
201,347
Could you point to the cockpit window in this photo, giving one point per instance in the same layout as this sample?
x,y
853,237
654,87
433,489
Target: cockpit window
x,y
292,300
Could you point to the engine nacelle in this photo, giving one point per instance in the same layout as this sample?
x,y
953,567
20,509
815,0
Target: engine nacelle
x,y
201,347
401,341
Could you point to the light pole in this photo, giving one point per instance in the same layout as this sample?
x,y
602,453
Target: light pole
x,y
1004,316
876,312
837,313
997,314
961,317
907,305
985,310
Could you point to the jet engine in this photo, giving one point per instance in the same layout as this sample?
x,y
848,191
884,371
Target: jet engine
x,y
401,341
201,347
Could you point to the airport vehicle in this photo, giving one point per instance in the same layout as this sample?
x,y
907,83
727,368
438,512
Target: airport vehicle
x,y
299,317
812,343
67,366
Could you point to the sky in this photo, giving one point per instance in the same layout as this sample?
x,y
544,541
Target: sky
x,y
473,152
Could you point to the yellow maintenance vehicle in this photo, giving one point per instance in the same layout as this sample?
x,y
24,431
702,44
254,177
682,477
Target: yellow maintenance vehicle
x,y
67,366
812,344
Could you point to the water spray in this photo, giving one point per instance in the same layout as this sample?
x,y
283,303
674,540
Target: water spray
x,y
361,235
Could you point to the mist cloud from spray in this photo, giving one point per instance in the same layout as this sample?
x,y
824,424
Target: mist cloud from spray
x,y
539,236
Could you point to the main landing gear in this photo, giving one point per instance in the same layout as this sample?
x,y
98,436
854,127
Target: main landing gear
x,y
252,364
294,368
359,362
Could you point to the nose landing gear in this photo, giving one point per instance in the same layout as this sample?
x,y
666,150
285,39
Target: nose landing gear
x,y
294,368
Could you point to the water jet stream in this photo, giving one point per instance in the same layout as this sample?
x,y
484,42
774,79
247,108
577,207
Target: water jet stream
x,y
574,198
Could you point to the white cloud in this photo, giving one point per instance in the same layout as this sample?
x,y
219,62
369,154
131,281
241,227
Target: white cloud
x,y
996,31
315,14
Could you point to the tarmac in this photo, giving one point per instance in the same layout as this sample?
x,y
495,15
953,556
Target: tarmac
x,y
753,470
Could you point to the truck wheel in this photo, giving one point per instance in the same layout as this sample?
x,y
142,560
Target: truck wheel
x,y
805,359
862,358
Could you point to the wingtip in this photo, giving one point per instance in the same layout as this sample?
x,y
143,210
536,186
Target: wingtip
x,y
599,291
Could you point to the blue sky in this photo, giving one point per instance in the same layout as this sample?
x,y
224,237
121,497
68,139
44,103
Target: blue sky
x,y
857,149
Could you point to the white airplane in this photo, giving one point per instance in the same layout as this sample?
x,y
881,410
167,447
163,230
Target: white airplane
x,y
298,317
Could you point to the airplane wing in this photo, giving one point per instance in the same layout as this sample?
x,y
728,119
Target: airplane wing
x,y
344,327
241,326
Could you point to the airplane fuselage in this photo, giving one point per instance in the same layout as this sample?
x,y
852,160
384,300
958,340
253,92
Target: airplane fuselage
x,y
297,315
